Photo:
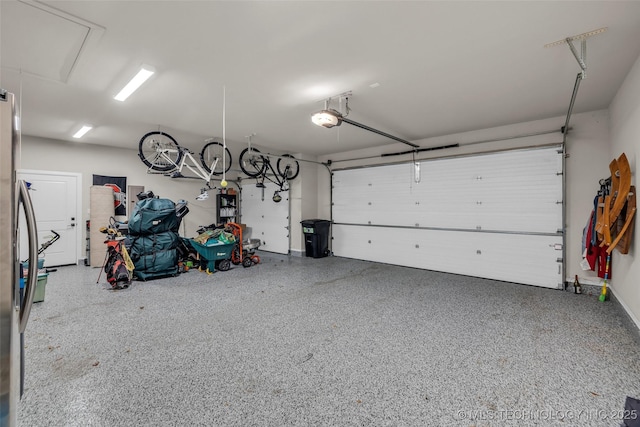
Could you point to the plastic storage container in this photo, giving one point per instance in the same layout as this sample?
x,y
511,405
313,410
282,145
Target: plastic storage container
x,y
25,264
316,237
40,287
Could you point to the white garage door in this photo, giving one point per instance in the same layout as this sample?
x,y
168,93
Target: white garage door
x,y
267,220
496,216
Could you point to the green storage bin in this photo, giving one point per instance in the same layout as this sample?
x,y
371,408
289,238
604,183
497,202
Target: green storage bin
x,y
40,287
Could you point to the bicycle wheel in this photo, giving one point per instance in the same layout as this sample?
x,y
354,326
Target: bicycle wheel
x,y
252,163
211,154
159,151
288,167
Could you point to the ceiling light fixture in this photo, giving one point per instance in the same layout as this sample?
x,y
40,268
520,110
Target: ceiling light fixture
x,y
329,118
137,81
83,130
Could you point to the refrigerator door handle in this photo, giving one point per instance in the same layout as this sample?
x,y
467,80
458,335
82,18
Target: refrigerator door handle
x,y
32,231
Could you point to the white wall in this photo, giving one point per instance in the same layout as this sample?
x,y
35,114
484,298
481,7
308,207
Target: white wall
x,y
587,145
625,138
86,159
54,155
304,200
588,161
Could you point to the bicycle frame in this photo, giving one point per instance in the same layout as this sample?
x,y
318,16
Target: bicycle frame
x,y
177,172
258,166
280,181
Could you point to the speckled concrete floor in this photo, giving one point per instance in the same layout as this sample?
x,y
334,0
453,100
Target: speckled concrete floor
x,y
324,342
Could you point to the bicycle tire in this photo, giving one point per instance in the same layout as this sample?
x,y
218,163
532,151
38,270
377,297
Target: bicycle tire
x,y
251,164
211,152
149,151
286,168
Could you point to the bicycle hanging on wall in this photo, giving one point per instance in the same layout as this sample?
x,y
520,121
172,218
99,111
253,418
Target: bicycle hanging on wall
x,y
162,153
257,165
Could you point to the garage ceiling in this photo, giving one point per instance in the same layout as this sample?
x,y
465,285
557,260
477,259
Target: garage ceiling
x,y
416,69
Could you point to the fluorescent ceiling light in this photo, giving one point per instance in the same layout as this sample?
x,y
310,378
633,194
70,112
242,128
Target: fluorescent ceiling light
x,y
84,129
142,76
327,118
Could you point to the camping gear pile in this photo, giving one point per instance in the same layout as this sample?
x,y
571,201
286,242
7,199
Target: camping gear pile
x,y
156,250
153,227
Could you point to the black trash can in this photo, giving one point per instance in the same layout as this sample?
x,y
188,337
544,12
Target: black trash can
x,y
316,237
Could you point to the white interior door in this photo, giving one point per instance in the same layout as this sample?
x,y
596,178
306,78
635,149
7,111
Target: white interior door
x,y
266,219
494,215
55,198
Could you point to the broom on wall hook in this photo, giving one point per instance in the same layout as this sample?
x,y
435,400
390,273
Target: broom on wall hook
x,y
604,294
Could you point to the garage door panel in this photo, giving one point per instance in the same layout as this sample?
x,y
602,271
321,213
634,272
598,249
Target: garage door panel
x,y
467,214
541,218
266,219
503,191
493,215
374,195
531,260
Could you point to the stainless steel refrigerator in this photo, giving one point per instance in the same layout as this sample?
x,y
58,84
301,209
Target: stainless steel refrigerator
x,y
15,301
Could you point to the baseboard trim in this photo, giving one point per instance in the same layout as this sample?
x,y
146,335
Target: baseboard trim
x,y
594,281
633,320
